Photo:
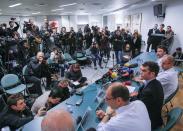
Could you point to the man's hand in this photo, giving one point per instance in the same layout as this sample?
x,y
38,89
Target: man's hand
x,y
133,94
100,114
41,111
110,111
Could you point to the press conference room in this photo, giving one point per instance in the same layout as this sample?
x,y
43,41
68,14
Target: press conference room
x,y
84,65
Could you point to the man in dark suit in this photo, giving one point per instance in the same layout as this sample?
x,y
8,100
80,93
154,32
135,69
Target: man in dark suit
x,y
149,40
152,93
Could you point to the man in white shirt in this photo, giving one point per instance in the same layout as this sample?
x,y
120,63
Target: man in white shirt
x,y
168,77
123,115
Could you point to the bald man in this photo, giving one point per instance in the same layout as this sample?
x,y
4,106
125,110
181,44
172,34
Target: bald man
x,y
58,120
168,77
123,112
38,68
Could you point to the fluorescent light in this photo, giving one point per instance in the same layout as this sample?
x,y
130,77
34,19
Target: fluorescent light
x,y
35,13
57,9
15,5
0,13
66,12
68,4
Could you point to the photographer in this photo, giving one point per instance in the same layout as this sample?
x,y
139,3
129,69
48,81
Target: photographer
x,y
3,30
11,30
38,68
30,26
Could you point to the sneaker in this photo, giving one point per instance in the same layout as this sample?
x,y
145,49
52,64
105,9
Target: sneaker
x,y
101,67
95,68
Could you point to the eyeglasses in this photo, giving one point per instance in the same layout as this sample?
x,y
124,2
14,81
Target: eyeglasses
x,y
108,99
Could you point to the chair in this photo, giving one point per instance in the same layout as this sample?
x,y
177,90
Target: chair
x,y
69,59
173,117
11,84
24,75
81,58
170,98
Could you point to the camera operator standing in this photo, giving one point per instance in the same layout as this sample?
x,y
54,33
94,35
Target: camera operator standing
x,y
11,30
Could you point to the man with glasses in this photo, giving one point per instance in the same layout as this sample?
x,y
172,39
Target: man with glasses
x,y
122,115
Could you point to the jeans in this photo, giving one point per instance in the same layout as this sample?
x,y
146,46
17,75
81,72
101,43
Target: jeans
x,y
118,55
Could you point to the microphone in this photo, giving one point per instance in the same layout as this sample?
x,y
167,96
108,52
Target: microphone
x,y
132,65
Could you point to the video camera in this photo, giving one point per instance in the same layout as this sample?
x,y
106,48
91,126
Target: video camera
x,y
12,19
27,26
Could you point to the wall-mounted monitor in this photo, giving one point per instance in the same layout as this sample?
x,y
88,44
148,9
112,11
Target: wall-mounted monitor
x,y
159,10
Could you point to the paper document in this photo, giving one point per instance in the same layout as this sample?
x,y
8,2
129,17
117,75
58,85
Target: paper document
x,y
131,88
76,83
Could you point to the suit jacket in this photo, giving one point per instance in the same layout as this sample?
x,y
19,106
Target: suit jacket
x,y
152,96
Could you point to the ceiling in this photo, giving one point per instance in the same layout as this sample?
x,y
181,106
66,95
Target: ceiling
x,y
47,7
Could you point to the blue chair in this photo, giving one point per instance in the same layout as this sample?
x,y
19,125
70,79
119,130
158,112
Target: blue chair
x,y
24,75
173,117
11,84
69,59
170,98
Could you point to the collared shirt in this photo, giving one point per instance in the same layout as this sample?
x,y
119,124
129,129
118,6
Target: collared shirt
x,y
169,81
132,117
40,102
145,82
159,61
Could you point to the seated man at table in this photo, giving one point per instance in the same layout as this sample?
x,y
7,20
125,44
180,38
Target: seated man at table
x,y
123,115
161,51
58,120
38,68
151,93
74,74
168,77
64,85
48,100
17,114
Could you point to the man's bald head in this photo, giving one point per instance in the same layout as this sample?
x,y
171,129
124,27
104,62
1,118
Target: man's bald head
x,y
58,120
40,56
167,62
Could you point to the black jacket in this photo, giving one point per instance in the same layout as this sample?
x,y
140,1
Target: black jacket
x,y
38,70
117,43
15,119
152,96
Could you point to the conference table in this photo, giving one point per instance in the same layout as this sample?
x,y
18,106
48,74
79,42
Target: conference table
x,y
92,99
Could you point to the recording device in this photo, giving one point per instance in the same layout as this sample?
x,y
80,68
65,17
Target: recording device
x,y
27,26
79,102
79,93
12,19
